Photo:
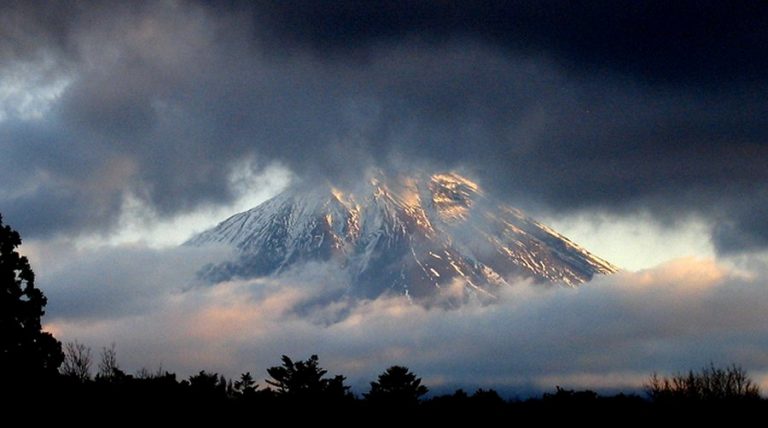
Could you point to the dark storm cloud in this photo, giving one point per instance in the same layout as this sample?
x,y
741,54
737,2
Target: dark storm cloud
x,y
706,41
619,106
746,230
29,29
660,105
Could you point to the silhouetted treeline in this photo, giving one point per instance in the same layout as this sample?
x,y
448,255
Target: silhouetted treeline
x,y
297,389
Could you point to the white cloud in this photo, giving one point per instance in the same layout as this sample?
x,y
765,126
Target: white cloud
x,y
609,333
635,241
27,90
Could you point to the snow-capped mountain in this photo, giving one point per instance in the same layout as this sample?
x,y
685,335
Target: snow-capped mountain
x,y
419,236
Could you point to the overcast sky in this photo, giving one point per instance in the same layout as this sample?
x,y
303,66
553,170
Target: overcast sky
x,y
636,128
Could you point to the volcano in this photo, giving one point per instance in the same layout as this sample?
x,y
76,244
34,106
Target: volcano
x,y
424,236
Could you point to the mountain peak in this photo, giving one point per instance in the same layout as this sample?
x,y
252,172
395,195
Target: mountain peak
x,y
420,236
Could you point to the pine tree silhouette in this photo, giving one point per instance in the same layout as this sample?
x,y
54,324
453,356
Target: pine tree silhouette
x,y
397,386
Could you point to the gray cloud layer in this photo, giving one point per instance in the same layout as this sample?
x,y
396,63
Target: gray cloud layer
x,y
619,107
610,333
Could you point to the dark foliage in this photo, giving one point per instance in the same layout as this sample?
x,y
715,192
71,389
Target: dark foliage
x,y
397,386
302,389
305,381
109,370
246,387
26,352
77,362
709,384
208,386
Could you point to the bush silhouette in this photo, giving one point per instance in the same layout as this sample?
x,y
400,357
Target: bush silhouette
x,y
486,398
77,362
25,350
109,370
206,386
709,384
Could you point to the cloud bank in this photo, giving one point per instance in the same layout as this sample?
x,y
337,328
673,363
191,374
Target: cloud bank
x,y
610,333
618,107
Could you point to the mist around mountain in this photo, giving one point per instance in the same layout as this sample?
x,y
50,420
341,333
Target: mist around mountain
x,y
432,238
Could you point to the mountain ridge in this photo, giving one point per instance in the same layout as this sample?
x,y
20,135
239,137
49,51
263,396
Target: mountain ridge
x,y
420,236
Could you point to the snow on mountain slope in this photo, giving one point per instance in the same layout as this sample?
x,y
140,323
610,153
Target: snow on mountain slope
x,y
437,235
